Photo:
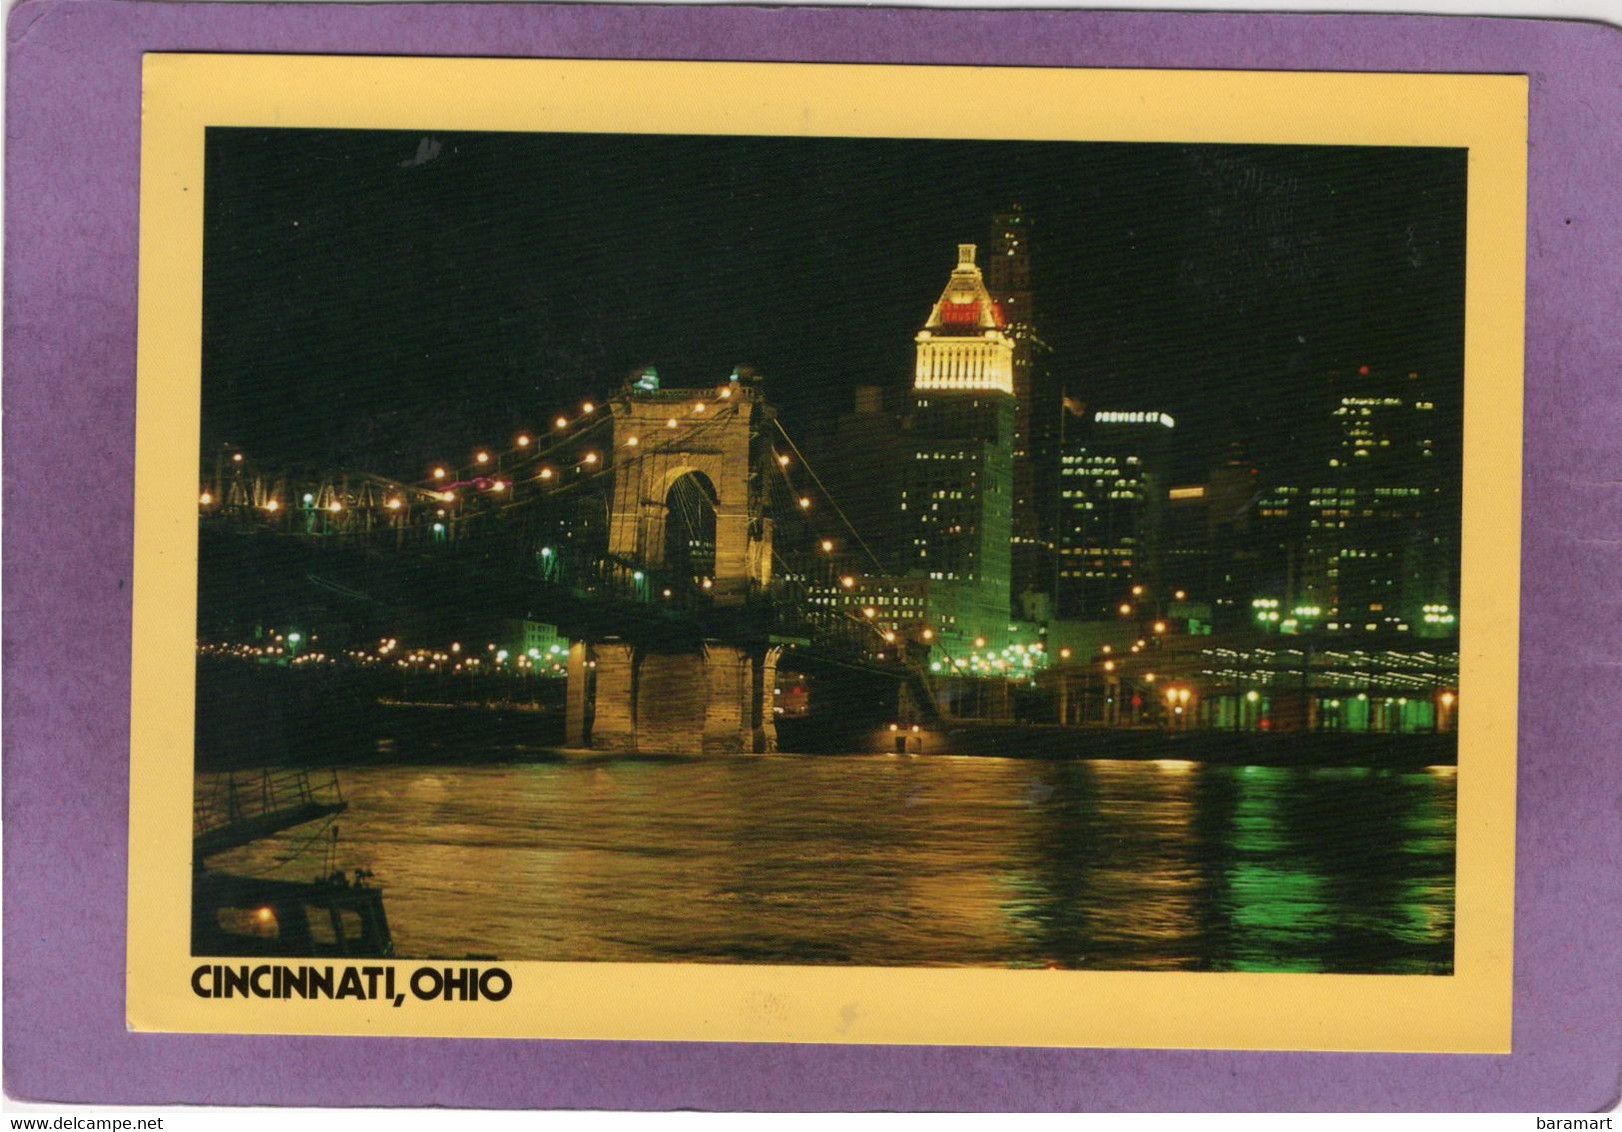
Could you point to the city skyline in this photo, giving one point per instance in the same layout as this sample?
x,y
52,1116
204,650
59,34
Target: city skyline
x,y
387,298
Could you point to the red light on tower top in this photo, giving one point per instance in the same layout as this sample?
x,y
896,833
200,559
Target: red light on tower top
x,y
1363,370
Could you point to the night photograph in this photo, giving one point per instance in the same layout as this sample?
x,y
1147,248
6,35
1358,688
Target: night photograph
x,y
805,551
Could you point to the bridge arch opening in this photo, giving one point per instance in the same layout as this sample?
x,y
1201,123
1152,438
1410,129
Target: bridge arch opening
x,y
689,536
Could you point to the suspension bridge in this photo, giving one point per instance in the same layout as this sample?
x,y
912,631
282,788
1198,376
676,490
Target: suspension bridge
x,y
678,538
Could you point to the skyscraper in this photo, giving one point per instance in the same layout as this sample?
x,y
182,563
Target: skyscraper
x,y
1112,493
957,498
1008,279
1383,539
1365,537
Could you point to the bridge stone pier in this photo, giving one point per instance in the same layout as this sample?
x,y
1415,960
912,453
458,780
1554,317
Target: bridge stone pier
x,y
715,701
677,452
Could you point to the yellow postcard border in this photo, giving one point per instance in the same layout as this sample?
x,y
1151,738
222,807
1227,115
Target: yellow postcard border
x,y
1469,1011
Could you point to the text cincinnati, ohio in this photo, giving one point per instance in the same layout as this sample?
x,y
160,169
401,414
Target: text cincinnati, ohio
x,y
276,980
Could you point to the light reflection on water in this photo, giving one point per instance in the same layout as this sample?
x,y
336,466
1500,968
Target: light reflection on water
x,y
883,860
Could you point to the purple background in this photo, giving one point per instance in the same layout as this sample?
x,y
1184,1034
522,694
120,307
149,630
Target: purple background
x,y
73,131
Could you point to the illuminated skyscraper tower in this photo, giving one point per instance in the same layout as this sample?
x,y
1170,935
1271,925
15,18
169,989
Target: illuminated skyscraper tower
x,y
957,484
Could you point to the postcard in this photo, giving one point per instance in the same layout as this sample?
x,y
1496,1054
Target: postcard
x,y
826,553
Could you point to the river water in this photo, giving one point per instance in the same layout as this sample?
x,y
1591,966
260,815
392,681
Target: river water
x,y
884,860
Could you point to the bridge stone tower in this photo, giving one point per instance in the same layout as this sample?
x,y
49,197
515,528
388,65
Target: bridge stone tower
x,y
678,457
664,436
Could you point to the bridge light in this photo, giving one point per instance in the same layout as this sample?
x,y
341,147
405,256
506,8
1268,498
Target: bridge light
x,y
1160,626
589,458
546,552
827,543
205,499
482,457
895,727
698,406
546,474
447,497
928,634
499,485
308,499
236,457
394,505
1107,649
889,638
272,505
1178,596
637,576
631,442
1137,591
439,528
456,646
439,473
848,582
588,408
522,440
805,503
1064,653
1182,695
916,729
870,613
1148,677
1109,666
664,593
725,392
335,507
782,461
1126,610
561,422
671,423
708,583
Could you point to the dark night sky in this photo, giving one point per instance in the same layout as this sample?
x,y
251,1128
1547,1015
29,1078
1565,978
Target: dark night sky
x,y
388,299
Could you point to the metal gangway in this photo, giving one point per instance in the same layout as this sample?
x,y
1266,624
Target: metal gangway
x,y
240,807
